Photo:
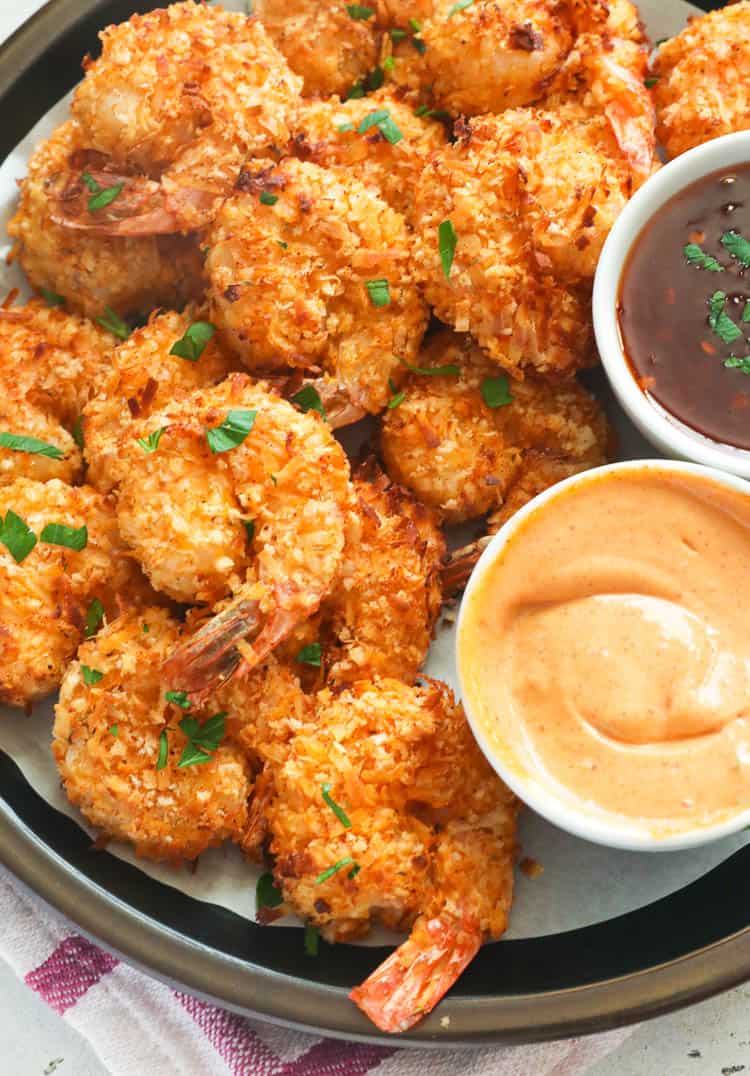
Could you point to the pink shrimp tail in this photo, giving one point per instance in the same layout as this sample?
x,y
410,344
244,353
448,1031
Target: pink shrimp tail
x,y
632,119
414,978
210,657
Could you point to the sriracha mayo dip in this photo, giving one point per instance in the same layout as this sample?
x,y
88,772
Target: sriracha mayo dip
x,y
604,651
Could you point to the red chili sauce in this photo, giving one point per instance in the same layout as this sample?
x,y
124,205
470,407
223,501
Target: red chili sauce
x,y
684,307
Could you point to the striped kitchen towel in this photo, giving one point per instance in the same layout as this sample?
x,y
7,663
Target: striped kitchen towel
x,y
139,1027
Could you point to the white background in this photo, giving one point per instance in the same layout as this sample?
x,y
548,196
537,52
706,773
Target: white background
x,y
719,1030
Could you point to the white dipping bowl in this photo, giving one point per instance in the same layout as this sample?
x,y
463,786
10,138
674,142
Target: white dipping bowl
x,y
534,788
666,432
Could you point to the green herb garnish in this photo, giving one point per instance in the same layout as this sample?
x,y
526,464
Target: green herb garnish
x,y
719,320
460,6
310,655
232,431
308,399
75,538
114,324
347,861
700,259
312,940
203,739
398,396
650,82
734,362
451,370
163,750
179,698
380,292
77,432
17,537
496,391
105,197
34,447
344,127
381,119
90,182
115,730
419,45
340,813
268,199
94,617
249,525
267,894
738,247
416,25
447,246
91,676
360,11
397,35
51,297
192,345
150,443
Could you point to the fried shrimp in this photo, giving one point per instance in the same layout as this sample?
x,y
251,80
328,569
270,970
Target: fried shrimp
x,y
701,88
126,755
478,263
387,155
322,41
423,836
311,269
62,567
144,375
470,443
93,272
183,95
232,497
48,361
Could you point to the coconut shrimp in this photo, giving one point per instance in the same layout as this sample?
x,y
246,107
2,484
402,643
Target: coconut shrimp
x,y
124,754
52,593
701,89
467,457
93,272
328,133
232,497
427,838
181,95
144,375
478,264
310,268
48,361
329,47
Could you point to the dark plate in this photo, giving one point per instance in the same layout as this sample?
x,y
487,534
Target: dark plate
x,y
677,950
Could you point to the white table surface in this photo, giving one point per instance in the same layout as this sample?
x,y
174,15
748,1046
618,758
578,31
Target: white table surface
x,y
710,1039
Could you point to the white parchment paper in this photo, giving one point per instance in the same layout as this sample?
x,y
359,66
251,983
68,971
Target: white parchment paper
x,y
582,883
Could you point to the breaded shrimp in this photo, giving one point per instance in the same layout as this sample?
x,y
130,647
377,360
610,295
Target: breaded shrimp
x,y
322,41
125,761
93,272
701,89
429,844
184,94
144,375
49,360
329,134
478,264
240,501
51,594
466,458
310,269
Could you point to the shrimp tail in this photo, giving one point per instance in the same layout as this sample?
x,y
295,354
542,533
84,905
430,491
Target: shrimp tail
x,y
631,116
459,565
211,656
414,978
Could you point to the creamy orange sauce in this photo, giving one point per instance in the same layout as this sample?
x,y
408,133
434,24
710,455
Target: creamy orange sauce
x,y
607,651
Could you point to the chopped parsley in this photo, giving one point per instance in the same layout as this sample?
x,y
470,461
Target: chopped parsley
x,y
650,82
738,247
746,311
105,197
91,676
340,813
734,362
192,345
163,750
719,320
416,25
77,432
310,655
397,398
397,35
380,292
419,45
249,525
94,618
282,244
179,698
372,81
460,6
114,324
203,739
496,391
146,628
343,127
75,538
17,537
450,370
150,443
312,939
268,199
381,119
447,246
115,730
700,259
51,297
267,894
388,63
34,447
90,182
347,861
308,399
360,11
231,432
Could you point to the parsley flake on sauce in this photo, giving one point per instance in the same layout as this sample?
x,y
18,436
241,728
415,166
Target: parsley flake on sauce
x,y
34,447
738,247
203,739
339,811
347,861
719,321
308,399
447,240
496,391
231,432
267,893
697,257
17,537
192,345
310,655
734,362
75,538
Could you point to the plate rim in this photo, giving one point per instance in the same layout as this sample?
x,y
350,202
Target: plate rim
x,y
256,991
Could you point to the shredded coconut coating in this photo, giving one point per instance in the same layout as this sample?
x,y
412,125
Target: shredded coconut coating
x,y
702,89
289,280
107,743
44,599
142,378
464,458
390,169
